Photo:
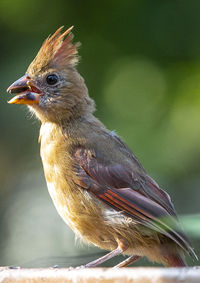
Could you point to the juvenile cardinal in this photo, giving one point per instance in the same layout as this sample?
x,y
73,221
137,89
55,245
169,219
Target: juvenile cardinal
x,y
97,185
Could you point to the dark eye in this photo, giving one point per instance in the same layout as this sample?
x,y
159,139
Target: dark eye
x,y
52,79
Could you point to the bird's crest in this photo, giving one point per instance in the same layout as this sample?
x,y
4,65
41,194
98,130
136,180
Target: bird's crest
x,y
57,50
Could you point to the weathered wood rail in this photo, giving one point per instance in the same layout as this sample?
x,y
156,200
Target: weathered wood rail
x,y
101,275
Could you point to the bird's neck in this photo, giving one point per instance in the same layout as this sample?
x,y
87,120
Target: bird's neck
x,y
74,130
80,109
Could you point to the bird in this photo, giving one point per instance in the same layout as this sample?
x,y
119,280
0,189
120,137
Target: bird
x,y
97,184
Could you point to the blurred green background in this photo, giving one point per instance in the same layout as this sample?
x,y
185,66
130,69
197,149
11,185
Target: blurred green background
x,y
141,63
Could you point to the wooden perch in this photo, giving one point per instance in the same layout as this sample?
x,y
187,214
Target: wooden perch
x,y
101,275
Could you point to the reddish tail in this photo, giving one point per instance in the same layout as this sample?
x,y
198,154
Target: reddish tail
x,y
175,260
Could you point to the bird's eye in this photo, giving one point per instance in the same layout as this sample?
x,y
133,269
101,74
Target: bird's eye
x,y
52,79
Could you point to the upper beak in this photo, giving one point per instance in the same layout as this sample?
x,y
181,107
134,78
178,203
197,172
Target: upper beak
x,y
27,92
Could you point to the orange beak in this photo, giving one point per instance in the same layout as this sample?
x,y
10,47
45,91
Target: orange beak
x,y
27,92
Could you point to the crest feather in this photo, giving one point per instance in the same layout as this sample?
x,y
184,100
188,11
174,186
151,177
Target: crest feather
x,y
57,50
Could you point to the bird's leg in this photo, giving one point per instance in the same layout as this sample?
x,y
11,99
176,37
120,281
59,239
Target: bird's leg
x,y
127,261
122,246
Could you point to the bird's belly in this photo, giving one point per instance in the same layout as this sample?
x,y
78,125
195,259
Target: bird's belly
x,y
90,219
95,222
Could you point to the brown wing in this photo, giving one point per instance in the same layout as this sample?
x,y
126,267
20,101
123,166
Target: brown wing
x,y
136,196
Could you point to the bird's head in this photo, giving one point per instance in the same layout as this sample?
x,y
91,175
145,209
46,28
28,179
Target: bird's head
x,y
52,87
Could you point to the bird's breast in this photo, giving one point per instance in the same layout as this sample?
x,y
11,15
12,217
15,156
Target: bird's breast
x,y
58,169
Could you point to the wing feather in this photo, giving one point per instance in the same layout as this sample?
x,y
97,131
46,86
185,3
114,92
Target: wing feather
x,y
138,197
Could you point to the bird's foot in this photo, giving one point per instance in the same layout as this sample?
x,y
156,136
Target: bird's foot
x,y
14,267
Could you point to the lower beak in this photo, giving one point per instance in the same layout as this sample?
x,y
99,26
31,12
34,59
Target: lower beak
x,y
29,98
27,92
